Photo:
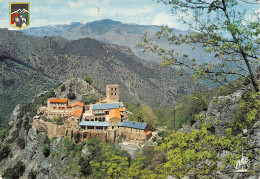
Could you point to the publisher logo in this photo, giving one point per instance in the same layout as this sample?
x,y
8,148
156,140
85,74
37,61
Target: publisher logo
x,y
19,15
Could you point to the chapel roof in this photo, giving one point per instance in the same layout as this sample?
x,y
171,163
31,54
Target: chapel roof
x,y
75,104
76,112
56,100
132,124
107,106
114,113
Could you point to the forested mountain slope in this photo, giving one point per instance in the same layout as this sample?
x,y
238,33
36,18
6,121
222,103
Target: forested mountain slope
x,y
30,65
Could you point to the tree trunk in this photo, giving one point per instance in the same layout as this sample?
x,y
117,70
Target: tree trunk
x,y
252,76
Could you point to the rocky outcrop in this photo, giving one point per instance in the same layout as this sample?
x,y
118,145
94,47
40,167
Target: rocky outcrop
x,y
15,113
131,148
35,162
79,87
220,111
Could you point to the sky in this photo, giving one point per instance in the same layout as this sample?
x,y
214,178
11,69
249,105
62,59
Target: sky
x,y
50,12
53,12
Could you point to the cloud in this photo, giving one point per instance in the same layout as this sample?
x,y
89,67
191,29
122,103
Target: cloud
x,y
126,12
92,12
129,11
87,4
43,22
4,23
164,18
76,4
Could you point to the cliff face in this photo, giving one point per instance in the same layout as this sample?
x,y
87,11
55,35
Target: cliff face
x,y
221,115
57,165
22,142
221,110
30,65
80,88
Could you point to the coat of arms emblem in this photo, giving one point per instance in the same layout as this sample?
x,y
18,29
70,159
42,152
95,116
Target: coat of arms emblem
x,y
19,15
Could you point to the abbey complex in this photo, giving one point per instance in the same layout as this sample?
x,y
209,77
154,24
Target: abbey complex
x,y
106,120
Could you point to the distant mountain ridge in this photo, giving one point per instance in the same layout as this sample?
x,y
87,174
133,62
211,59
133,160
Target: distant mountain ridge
x,y
30,65
116,32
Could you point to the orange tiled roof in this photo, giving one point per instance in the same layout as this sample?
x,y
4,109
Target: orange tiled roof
x,y
148,132
55,100
75,104
121,109
114,113
76,112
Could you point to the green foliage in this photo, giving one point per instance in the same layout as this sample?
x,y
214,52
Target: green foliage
x,y
238,49
26,125
11,124
71,166
94,145
3,133
152,156
164,133
30,109
138,169
165,117
14,136
21,142
148,116
183,113
121,138
90,99
32,174
46,140
44,118
68,144
142,113
195,153
88,80
189,107
46,150
71,95
85,167
105,161
4,151
58,120
15,172
19,123
79,146
20,85
62,87
248,112
112,165
76,137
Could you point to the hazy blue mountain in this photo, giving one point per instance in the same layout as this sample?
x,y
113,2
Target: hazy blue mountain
x,y
115,32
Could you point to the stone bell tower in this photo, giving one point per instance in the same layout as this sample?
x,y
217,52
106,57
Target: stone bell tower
x,y
112,93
